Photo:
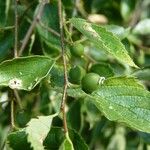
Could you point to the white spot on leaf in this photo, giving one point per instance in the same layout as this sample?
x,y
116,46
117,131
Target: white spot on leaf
x,y
15,83
110,107
88,28
41,140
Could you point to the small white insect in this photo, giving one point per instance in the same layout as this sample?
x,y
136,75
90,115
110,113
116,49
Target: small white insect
x,y
101,80
15,83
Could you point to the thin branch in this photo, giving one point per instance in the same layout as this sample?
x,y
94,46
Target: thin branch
x,y
31,43
74,13
15,55
136,14
90,58
26,11
16,29
65,66
80,8
7,28
12,114
12,110
49,29
81,40
142,47
52,31
68,33
34,22
18,99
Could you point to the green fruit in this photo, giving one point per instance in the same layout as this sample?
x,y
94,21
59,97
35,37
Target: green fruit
x,y
76,74
90,82
77,49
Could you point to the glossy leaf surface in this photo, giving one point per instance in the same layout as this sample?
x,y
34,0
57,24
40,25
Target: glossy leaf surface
x,y
24,72
124,100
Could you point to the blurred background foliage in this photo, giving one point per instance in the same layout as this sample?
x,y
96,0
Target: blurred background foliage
x,y
128,19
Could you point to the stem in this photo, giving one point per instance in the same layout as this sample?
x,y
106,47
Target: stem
x,y
26,11
34,22
16,29
74,13
18,99
65,66
68,33
31,44
80,8
12,114
15,55
136,14
52,31
49,29
7,28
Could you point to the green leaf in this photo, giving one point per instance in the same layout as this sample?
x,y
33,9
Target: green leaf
x,y
75,111
24,72
18,140
2,13
5,45
56,137
45,101
49,19
57,76
67,144
103,39
77,140
142,27
37,131
124,99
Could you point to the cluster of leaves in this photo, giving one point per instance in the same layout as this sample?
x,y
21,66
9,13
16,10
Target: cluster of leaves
x,y
116,115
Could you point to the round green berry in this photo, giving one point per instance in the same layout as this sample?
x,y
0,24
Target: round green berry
x,y
90,82
77,49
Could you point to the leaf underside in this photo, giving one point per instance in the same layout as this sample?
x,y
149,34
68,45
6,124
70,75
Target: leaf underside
x,y
37,131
